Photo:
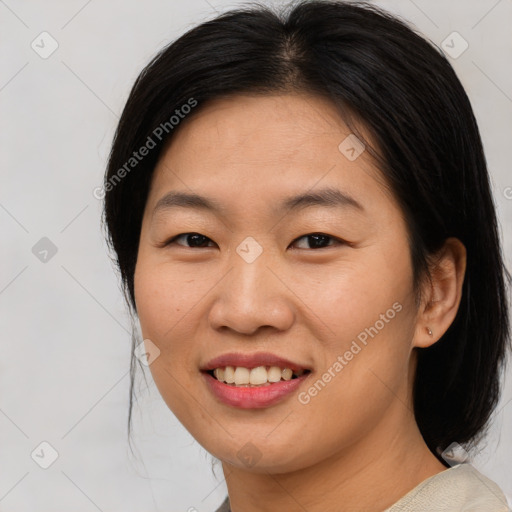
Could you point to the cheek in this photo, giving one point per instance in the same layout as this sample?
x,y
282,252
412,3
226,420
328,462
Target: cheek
x,y
163,298
162,307
153,302
366,313
352,297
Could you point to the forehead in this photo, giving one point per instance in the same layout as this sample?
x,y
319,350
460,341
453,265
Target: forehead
x,y
246,148
239,127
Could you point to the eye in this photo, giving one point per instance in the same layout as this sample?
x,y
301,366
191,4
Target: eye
x,y
196,240
319,240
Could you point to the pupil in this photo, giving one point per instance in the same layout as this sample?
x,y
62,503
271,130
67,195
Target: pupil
x,y
195,237
316,238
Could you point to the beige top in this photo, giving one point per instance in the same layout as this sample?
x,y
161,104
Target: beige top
x,y
460,488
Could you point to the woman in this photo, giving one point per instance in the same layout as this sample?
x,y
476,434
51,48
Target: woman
x,y
301,214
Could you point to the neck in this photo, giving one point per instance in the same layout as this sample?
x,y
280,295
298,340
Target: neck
x,y
371,474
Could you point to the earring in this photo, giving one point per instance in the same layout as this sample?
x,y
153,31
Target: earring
x,y
429,331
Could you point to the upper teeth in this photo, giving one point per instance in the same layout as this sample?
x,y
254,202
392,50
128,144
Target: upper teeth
x,y
239,375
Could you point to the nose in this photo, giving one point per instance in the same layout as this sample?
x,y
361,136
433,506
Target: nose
x,y
251,296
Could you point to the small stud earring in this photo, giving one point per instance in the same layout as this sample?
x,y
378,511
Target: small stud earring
x,y
429,331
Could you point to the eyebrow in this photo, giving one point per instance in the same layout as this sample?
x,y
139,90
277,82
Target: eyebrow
x,y
327,197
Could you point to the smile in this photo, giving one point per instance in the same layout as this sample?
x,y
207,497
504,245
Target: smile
x,y
246,395
259,376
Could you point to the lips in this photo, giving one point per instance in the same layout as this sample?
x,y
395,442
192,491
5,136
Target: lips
x,y
252,361
258,397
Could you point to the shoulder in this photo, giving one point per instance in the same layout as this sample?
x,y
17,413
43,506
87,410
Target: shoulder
x,y
461,487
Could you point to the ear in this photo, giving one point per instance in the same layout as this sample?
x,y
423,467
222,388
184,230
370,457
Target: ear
x,y
442,294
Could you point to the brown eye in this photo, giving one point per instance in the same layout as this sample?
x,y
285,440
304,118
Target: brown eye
x,y
195,240
319,240
198,241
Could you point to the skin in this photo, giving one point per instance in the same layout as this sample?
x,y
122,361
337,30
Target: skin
x,y
355,445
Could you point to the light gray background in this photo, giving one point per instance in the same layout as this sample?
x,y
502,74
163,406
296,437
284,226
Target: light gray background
x,y
65,332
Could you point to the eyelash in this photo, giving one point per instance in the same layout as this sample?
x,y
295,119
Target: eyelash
x,y
337,240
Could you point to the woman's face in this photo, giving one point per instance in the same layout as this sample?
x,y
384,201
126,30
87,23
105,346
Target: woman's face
x,y
250,280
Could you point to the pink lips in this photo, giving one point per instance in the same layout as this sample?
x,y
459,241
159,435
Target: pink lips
x,y
253,397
